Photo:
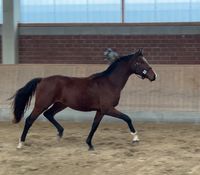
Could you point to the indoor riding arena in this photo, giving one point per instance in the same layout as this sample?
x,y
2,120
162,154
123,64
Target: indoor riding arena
x,y
127,69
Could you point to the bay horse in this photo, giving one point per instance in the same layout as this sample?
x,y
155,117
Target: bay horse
x,y
99,92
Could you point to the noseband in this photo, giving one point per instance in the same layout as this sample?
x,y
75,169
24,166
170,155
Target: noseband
x,y
144,72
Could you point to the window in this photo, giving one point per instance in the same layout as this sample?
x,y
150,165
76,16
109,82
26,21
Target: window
x,y
195,10
162,10
71,11
109,11
139,10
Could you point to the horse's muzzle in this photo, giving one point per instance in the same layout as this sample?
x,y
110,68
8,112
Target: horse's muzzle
x,y
154,78
151,75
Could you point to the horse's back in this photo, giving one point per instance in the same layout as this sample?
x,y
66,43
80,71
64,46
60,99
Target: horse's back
x,y
77,93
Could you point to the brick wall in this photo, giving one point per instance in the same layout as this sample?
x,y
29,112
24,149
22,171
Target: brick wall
x,y
158,49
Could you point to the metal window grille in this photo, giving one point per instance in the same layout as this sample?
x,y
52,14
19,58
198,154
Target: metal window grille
x,y
109,11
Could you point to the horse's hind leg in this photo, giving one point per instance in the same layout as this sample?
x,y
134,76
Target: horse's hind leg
x,y
28,123
50,113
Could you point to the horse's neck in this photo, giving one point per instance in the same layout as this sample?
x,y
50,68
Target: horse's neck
x,y
119,76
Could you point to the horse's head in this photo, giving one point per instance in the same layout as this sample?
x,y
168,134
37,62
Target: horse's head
x,y
141,67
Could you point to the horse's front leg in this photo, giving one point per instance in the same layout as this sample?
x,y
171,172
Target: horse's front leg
x,y
97,120
117,114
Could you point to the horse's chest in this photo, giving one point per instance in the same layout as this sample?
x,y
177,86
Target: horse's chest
x,y
110,98
116,100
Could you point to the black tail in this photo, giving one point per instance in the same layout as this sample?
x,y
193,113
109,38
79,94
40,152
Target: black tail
x,y
22,99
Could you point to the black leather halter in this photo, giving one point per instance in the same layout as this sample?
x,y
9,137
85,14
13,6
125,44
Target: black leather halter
x,y
144,72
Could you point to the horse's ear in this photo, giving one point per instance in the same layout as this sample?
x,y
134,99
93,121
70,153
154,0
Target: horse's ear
x,y
140,52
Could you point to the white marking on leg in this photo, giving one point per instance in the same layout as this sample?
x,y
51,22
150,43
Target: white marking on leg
x,y
135,137
20,145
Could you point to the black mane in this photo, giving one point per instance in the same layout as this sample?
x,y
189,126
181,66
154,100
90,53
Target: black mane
x,y
110,69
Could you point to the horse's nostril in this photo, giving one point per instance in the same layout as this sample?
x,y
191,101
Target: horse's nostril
x,y
154,78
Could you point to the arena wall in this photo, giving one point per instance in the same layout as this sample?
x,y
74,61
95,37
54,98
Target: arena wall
x,y
165,43
77,50
175,96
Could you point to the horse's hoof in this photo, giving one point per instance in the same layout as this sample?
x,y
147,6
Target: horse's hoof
x,y
91,149
135,142
135,138
60,134
20,145
59,138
